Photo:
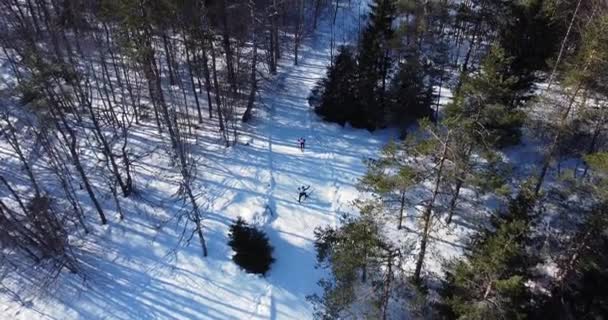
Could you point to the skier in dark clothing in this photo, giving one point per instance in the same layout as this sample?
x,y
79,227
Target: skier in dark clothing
x,y
303,193
302,142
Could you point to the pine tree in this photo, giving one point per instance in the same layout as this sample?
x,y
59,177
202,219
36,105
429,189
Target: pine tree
x,y
466,170
530,37
585,71
579,291
374,63
353,253
486,99
411,97
598,162
489,282
389,179
253,251
338,98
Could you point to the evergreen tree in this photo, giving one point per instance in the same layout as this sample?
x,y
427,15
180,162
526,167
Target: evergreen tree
x,y
389,179
338,97
598,162
489,282
585,72
530,37
579,292
374,63
486,99
411,97
353,252
253,251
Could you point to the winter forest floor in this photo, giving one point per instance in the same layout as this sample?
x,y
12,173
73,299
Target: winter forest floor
x,y
150,266
137,269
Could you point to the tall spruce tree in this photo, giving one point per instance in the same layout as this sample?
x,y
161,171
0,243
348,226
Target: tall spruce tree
x,y
410,96
530,37
374,65
338,95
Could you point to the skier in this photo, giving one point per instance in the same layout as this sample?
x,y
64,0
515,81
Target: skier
x,y
302,143
303,193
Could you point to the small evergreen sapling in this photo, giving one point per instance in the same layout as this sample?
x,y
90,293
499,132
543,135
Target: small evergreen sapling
x,y
253,251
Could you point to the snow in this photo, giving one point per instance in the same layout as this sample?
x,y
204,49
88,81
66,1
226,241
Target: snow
x,y
150,266
138,269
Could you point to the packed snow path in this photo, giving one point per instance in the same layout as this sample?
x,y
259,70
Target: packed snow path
x,y
330,164
133,271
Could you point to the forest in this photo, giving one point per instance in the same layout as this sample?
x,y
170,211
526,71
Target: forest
x,y
304,159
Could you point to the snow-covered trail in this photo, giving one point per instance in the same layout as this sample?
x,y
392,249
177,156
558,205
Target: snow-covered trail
x,y
133,271
330,164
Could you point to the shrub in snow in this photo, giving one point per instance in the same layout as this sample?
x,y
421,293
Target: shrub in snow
x,y
253,251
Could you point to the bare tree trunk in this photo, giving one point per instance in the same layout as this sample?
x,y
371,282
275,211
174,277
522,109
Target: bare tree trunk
x,y
226,45
465,64
112,187
401,209
254,62
316,14
13,193
13,141
596,134
459,182
217,93
549,155
277,45
428,213
387,285
333,35
190,74
273,39
299,30
556,140
168,58
107,150
62,173
70,140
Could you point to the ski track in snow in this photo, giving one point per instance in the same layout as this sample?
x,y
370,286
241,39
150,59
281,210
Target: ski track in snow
x,y
134,274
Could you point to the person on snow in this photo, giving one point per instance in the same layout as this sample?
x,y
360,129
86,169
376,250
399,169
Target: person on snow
x,y
303,193
302,142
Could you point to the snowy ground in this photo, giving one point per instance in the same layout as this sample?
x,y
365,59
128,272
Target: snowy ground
x,y
136,269
139,269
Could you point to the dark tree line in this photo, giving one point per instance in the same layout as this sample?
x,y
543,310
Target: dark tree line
x,y
379,82
394,75
498,52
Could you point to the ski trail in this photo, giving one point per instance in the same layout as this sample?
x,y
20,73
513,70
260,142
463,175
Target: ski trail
x,y
329,161
291,229
270,204
263,305
278,85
